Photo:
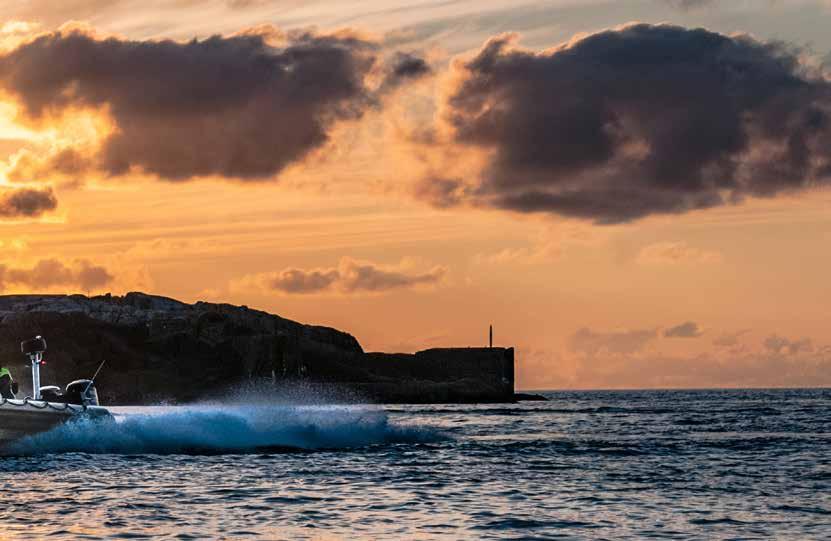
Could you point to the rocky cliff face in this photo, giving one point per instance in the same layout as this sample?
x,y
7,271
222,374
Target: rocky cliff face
x,y
159,349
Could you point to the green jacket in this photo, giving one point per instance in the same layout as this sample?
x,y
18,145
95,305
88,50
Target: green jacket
x,y
5,372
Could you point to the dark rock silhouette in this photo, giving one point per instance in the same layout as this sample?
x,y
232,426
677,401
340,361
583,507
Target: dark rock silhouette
x,y
162,350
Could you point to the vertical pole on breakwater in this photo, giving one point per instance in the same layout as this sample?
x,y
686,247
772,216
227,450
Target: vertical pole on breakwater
x,y
490,337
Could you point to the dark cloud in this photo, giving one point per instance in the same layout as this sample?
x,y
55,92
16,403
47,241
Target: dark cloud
x,y
357,276
300,281
402,68
349,277
48,273
689,329
235,106
640,120
26,203
406,65
592,342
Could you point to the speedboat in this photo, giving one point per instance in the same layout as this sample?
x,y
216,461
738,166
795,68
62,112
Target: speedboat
x,y
50,406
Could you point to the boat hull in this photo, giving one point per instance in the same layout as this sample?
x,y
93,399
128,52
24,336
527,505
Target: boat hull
x,y
21,418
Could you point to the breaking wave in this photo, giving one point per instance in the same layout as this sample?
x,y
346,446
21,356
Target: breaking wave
x,y
226,429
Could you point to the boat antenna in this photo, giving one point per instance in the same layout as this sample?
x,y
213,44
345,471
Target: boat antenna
x,y
100,366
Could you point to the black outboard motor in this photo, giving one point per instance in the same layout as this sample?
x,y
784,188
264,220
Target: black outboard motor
x,y
81,392
35,345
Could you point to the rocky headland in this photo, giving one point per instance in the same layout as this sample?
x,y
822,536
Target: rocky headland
x,y
161,350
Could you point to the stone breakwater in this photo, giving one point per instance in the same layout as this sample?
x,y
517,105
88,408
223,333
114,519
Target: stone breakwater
x,y
162,350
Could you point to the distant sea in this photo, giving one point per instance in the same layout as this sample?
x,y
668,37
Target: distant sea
x,y
726,464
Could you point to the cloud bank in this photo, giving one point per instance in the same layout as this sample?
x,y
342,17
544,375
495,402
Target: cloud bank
x,y
590,342
622,359
349,277
48,273
636,121
779,344
610,127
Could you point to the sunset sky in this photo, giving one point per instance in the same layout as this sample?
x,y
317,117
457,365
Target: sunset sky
x,y
635,194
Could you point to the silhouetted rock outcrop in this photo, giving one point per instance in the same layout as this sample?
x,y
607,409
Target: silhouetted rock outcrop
x,y
159,349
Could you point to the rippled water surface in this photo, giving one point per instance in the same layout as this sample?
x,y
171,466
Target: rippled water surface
x,y
585,465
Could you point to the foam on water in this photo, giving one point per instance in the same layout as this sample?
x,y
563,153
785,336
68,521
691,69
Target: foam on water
x,y
225,429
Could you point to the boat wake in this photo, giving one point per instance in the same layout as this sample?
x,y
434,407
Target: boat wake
x,y
225,429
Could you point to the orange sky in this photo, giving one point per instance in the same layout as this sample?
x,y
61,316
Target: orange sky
x,y
342,234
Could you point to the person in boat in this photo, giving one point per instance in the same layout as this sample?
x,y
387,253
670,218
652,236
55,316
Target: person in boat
x,y
7,384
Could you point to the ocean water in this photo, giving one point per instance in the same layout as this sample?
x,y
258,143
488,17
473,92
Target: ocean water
x,y
752,464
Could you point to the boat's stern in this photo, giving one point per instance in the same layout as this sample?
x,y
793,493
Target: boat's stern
x,y
50,406
21,418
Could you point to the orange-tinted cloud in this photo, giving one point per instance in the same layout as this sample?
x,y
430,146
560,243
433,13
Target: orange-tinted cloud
x,y
48,273
590,342
349,277
239,106
779,344
66,163
622,360
750,369
730,339
299,281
